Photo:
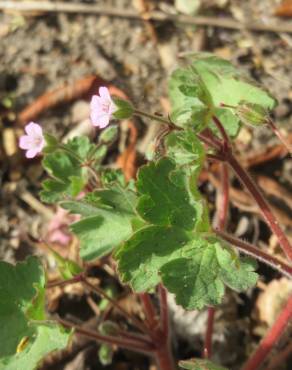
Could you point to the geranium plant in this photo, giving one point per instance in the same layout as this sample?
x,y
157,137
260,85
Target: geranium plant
x,y
157,226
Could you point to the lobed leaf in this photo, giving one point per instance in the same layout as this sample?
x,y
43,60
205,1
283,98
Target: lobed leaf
x,y
24,332
107,217
197,92
66,167
142,256
198,280
46,338
193,268
164,193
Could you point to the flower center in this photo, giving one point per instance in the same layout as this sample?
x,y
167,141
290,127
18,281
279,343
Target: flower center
x,y
105,107
37,141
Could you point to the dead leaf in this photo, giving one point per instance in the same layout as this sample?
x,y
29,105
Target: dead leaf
x,y
284,9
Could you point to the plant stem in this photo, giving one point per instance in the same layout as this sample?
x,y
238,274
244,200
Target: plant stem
x,y
223,197
75,279
255,252
131,318
271,338
134,345
262,203
207,351
164,358
164,314
209,141
279,135
152,116
253,189
150,313
276,362
225,137
160,333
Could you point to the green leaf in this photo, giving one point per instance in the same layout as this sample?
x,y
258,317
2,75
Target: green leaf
x,y
200,364
25,336
68,177
81,147
193,268
224,84
105,354
197,93
185,149
198,280
165,198
251,114
51,143
109,134
124,110
67,268
110,176
186,107
107,217
141,257
45,339
19,286
68,167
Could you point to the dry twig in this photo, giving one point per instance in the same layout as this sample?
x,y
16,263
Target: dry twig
x,y
78,8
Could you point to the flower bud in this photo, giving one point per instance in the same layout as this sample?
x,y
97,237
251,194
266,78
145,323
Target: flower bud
x,y
251,114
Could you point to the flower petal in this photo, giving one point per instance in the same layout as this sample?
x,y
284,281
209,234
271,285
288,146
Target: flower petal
x,y
100,120
33,129
25,142
104,93
31,153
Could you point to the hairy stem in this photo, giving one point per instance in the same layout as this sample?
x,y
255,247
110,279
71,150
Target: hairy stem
x,y
207,351
255,252
262,203
123,342
164,314
131,318
152,116
271,338
279,135
150,313
160,331
164,358
75,279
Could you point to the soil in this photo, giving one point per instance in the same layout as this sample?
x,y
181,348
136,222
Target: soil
x,y
41,52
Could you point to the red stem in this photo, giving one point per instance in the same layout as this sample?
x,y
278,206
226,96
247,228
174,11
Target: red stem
x,y
279,135
271,338
220,127
130,317
207,352
150,312
164,358
160,333
255,252
75,279
262,203
164,315
223,195
134,345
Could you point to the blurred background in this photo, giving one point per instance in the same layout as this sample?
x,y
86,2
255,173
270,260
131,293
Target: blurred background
x,y
51,62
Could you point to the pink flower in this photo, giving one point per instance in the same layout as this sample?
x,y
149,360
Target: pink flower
x,y
34,141
102,108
